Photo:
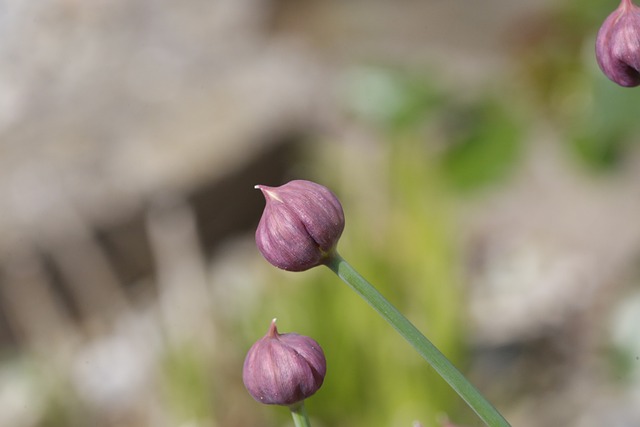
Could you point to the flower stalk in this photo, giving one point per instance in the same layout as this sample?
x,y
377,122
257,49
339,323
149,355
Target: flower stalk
x,y
485,410
299,414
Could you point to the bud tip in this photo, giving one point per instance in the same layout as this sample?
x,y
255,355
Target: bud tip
x,y
273,329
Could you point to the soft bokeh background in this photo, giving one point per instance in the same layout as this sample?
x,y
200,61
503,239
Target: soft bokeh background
x,y
489,173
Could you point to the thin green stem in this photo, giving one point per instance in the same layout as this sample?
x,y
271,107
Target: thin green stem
x,y
299,414
423,346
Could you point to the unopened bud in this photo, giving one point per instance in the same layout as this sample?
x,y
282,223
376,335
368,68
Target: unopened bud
x,y
283,369
618,45
300,226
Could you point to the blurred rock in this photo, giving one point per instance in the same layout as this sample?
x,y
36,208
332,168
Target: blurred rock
x,y
110,103
109,106
548,248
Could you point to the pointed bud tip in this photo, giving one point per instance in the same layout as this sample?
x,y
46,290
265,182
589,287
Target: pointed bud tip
x,y
273,329
269,193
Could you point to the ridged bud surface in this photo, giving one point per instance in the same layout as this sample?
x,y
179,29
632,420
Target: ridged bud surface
x,y
300,226
283,369
618,45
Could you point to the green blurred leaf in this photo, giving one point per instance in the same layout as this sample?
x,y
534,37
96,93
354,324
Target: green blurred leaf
x,y
389,98
485,146
186,383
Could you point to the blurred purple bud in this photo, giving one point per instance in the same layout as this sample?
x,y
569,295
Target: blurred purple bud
x,y
300,226
618,45
283,369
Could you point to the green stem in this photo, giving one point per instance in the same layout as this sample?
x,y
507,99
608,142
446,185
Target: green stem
x,y
299,414
423,346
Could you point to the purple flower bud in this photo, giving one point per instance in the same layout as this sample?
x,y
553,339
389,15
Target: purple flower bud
x,y
618,45
283,369
300,226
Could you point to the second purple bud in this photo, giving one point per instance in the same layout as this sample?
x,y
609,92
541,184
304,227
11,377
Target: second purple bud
x,y
283,369
618,45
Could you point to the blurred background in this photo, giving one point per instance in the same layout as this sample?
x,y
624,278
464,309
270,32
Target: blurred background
x,y
489,174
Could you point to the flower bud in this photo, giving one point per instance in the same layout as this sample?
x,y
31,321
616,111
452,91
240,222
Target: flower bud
x,y
283,369
300,226
618,45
